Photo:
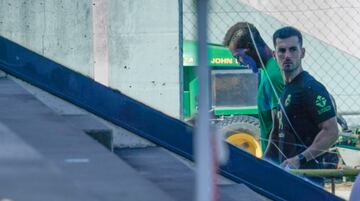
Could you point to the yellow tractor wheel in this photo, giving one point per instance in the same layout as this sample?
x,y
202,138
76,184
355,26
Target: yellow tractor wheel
x,y
243,132
246,142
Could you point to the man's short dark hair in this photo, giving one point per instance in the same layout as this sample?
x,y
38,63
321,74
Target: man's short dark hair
x,y
287,32
239,33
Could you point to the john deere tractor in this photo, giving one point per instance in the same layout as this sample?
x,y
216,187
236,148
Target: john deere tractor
x,y
233,89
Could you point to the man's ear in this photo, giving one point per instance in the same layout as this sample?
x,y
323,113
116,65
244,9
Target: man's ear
x,y
302,52
273,53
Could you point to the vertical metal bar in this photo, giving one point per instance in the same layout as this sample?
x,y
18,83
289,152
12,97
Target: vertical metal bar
x,y
181,67
205,164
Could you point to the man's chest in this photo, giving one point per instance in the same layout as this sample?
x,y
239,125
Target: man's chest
x,y
292,102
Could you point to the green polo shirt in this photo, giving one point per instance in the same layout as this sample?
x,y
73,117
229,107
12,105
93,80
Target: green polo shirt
x,y
266,98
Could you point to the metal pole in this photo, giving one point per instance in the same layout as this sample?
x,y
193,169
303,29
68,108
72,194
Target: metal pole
x,y
181,67
204,155
326,172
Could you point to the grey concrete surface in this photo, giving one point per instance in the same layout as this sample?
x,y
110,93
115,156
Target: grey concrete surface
x,y
48,156
26,175
51,159
121,137
176,178
93,128
2,74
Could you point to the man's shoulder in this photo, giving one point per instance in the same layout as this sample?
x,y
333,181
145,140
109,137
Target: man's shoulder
x,y
273,70
272,64
310,82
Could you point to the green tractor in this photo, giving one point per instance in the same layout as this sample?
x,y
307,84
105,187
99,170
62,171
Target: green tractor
x,y
233,89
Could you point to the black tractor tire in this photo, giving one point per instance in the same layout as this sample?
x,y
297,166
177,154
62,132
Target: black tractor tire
x,y
240,124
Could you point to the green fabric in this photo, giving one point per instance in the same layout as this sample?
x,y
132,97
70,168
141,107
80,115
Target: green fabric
x,y
266,98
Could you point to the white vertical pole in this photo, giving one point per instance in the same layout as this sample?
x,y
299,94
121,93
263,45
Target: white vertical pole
x,y
204,152
100,41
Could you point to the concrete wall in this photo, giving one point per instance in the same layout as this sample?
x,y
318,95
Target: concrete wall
x,y
60,30
142,42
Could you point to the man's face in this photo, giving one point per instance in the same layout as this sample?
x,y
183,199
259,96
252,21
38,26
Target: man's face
x,y
288,53
243,56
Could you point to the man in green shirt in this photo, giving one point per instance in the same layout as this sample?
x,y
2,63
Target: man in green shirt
x,y
240,39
